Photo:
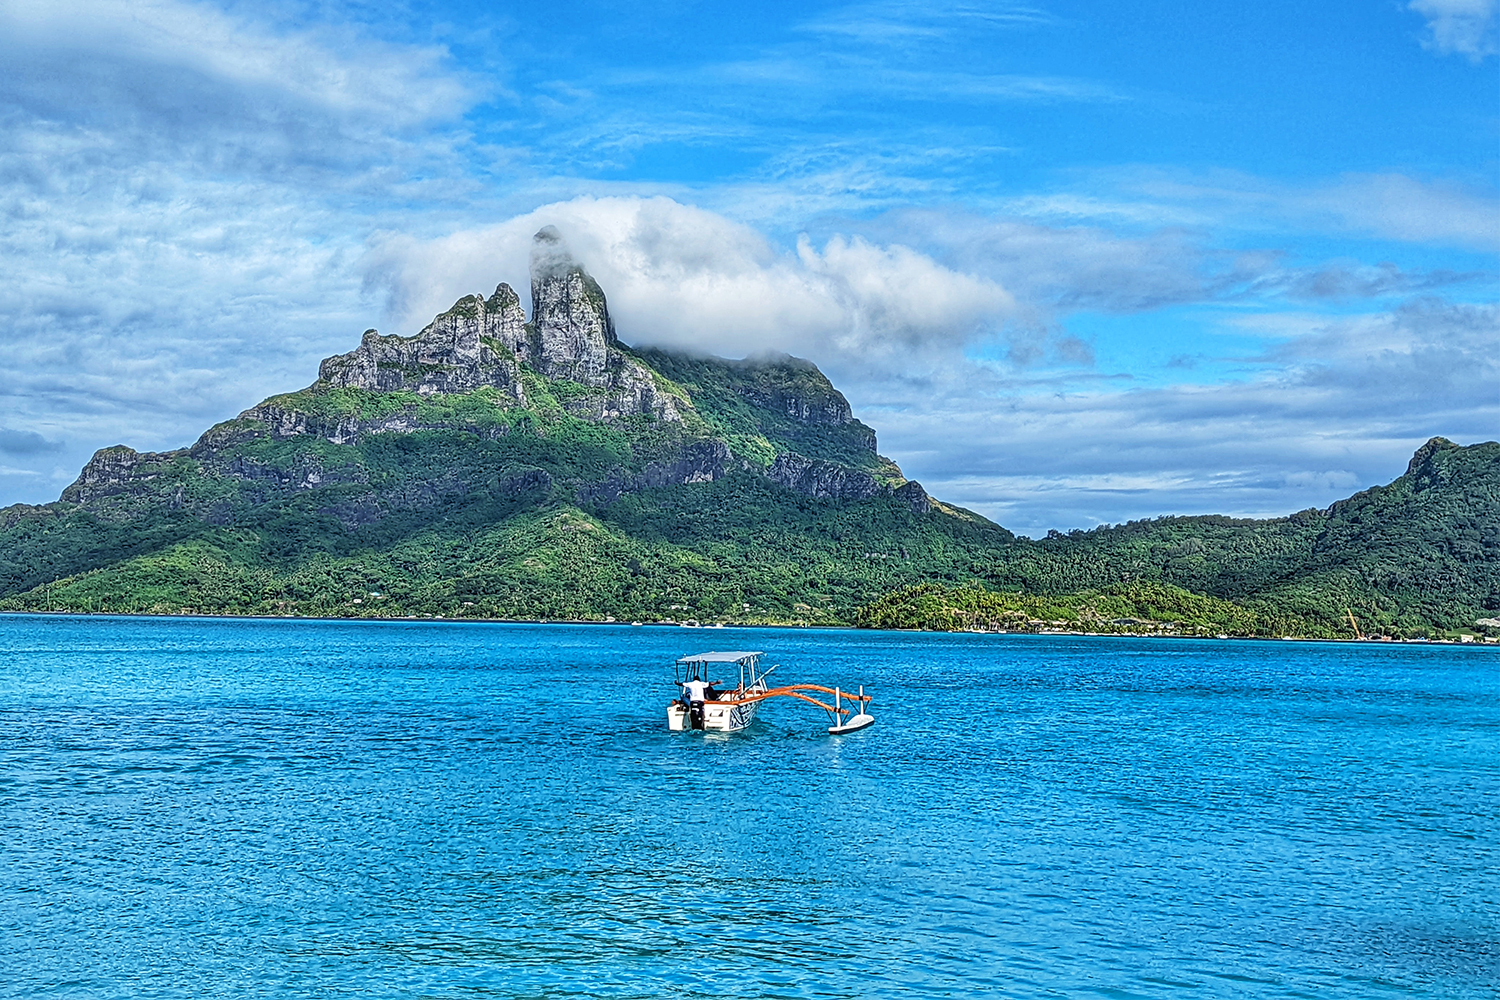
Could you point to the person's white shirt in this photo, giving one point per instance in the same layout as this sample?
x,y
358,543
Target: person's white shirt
x,y
694,690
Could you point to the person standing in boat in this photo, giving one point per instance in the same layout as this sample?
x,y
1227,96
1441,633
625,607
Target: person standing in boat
x,y
693,691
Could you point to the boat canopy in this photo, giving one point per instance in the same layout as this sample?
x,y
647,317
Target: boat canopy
x,y
738,656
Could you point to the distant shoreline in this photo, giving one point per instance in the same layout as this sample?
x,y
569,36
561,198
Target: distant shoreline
x,y
428,620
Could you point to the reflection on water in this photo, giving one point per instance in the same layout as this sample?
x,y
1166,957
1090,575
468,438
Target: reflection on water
x,y
233,808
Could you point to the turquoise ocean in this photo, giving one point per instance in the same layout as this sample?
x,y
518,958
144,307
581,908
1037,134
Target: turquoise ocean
x,y
248,808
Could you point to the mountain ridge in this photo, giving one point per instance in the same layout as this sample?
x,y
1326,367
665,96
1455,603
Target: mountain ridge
x,y
566,358
495,465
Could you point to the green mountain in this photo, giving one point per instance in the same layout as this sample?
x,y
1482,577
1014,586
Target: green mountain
x,y
495,466
1418,555
500,466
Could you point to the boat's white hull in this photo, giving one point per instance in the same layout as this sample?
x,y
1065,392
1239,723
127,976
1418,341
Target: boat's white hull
x,y
718,716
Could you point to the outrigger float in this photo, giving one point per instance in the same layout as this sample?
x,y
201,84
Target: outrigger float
x,y
703,706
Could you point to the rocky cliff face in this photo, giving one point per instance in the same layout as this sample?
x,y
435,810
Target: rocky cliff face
x,y
476,344
112,471
569,315
573,338
483,342
832,481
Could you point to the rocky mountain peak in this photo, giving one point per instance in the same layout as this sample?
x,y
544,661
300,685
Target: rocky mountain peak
x,y
1424,454
478,342
484,342
569,314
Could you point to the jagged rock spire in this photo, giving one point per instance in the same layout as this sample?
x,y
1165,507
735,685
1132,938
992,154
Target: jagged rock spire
x,y
569,315
486,342
456,352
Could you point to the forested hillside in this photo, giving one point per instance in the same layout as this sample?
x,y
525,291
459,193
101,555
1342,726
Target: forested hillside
x,y
496,465
1420,552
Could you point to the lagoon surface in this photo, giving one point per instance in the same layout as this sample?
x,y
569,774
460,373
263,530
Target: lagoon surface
x,y
243,808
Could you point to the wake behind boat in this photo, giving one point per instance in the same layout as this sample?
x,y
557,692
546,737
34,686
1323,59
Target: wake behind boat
x,y
703,705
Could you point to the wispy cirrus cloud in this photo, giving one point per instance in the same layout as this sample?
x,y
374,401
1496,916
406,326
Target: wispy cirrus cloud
x,y
876,85
1340,404
1387,206
896,22
1464,27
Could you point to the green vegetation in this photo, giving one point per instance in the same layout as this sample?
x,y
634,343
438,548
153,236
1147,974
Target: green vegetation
x,y
470,505
1125,609
758,405
740,549
1417,556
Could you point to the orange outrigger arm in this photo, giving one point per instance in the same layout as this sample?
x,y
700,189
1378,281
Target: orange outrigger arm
x,y
794,691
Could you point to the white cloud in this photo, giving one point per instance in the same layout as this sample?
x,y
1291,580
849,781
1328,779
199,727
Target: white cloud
x,y
1064,266
1406,208
679,276
1464,27
1054,270
174,59
849,92
1340,404
188,198
897,23
184,192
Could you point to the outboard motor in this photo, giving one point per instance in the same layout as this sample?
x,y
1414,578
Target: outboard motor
x,y
695,715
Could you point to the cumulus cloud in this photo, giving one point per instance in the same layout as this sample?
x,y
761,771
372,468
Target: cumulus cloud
x,y
1464,27
189,196
913,291
902,326
679,276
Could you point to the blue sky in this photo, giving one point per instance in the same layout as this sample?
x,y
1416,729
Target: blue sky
x,y
1076,262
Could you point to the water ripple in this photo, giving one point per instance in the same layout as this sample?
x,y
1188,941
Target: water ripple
x,y
287,809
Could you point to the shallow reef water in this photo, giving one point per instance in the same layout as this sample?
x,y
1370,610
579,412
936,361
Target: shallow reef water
x,y
196,807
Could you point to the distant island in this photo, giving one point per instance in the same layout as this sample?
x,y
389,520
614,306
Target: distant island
x,y
496,466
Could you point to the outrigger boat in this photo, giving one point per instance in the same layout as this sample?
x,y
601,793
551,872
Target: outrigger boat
x,y
702,706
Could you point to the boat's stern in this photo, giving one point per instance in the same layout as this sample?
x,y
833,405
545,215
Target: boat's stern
x,y
714,716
